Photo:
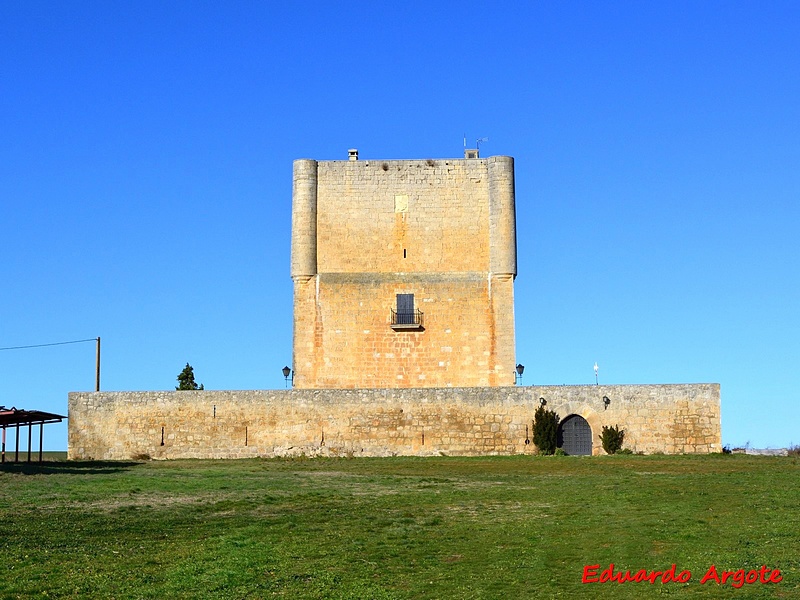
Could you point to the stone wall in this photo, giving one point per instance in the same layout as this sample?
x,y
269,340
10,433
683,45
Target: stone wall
x,y
382,422
365,231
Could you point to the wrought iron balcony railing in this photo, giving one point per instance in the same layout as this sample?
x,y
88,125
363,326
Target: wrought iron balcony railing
x,y
407,320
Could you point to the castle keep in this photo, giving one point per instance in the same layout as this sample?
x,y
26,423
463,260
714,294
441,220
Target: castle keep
x,y
403,274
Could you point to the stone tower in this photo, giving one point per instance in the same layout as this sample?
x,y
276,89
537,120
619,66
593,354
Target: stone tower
x,y
403,272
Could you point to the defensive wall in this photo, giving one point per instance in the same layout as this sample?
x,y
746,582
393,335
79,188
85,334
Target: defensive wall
x,y
680,418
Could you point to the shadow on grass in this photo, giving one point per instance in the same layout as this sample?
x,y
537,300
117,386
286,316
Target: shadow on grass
x,y
77,467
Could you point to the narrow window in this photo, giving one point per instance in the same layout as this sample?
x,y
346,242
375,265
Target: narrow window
x,y
404,252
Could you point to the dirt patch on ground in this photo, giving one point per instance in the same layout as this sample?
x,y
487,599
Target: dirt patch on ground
x,y
497,509
148,500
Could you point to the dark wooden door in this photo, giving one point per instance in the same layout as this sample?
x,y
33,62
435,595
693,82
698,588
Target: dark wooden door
x,y
405,309
575,436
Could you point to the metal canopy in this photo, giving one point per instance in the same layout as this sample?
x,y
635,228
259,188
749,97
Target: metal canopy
x,y
16,417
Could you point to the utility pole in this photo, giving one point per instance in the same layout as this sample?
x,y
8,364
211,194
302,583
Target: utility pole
x,y
97,368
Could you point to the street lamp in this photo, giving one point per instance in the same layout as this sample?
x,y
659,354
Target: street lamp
x,y
286,372
595,374
520,369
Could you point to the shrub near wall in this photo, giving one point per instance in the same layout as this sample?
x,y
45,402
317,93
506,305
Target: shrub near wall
x,y
612,439
545,430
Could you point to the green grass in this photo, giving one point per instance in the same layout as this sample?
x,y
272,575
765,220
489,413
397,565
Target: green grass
x,y
494,527
47,455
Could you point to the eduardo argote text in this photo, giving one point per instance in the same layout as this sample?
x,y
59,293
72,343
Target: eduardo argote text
x,y
737,578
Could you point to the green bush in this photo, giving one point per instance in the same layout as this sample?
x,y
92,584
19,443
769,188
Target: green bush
x,y
545,430
612,438
186,379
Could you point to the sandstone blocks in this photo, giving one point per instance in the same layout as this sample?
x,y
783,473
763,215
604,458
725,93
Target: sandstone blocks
x,y
381,422
442,231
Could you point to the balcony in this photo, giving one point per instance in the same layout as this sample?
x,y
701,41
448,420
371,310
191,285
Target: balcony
x,y
407,320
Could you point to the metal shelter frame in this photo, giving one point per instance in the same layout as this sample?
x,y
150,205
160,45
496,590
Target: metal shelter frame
x,y
17,417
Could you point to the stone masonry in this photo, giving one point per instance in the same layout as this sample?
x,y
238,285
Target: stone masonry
x,y
370,239
440,230
381,422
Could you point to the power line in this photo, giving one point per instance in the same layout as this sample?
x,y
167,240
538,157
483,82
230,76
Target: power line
x,y
53,344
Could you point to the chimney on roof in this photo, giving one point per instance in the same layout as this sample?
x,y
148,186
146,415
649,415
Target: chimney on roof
x,y
352,154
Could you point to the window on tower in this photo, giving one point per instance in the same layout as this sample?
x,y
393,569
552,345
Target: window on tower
x,y
405,316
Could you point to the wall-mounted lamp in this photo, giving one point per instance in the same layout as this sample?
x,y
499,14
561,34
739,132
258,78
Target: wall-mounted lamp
x,y
606,402
286,373
542,402
520,369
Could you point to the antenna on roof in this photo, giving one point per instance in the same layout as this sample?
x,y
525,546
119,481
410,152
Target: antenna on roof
x,y
473,152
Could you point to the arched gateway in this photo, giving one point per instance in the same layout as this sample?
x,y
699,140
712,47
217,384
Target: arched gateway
x,y
575,436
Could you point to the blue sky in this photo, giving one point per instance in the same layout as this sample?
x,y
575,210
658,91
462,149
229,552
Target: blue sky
x,y
145,183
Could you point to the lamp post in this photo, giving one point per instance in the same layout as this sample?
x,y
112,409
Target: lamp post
x,y
286,372
520,369
596,382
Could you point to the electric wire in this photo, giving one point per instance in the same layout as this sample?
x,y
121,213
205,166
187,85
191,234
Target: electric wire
x,y
52,344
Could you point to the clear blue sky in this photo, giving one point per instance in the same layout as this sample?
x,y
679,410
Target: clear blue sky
x,y
145,183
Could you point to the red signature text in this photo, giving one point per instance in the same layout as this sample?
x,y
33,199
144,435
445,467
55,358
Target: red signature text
x,y
737,578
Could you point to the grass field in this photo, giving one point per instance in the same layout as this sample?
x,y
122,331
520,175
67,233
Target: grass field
x,y
493,527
